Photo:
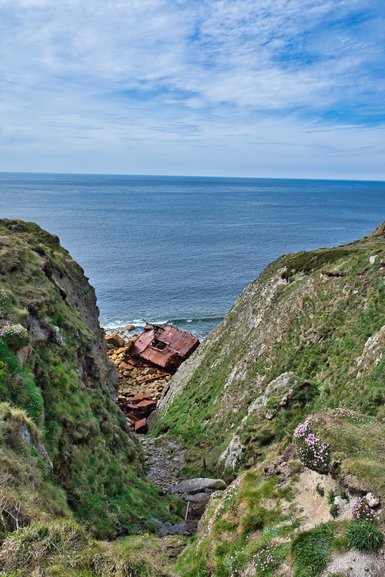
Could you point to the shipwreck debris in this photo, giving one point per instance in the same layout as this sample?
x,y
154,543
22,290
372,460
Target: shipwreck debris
x,y
145,364
165,347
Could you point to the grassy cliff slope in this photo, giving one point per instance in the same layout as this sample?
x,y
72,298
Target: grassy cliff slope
x,y
287,399
64,443
308,334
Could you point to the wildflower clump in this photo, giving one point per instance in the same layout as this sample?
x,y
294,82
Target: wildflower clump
x,y
313,452
265,560
361,510
15,336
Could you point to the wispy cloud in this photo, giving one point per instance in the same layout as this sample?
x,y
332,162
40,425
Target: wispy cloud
x,y
175,86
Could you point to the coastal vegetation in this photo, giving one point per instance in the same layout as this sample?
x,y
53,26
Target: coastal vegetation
x,y
66,454
285,400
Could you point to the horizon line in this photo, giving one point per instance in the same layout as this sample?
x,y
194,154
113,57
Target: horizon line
x,y
134,175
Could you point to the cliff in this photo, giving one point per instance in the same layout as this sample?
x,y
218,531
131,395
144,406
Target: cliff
x,y
286,399
65,446
307,334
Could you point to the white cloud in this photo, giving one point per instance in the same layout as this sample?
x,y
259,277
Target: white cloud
x,y
109,74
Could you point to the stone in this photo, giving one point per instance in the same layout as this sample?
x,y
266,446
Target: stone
x,y
129,328
141,397
164,529
133,418
232,455
199,485
114,340
125,366
141,426
372,500
145,405
373,258
198,498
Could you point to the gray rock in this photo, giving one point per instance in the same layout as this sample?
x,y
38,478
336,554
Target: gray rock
x,y
198,498
164,529
199,485
40,333
372,500
232,455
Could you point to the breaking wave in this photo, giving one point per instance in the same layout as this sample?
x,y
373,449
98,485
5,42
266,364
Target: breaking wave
x,y
199,326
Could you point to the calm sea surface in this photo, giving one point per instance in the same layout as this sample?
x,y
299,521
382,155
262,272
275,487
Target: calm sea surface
x,y
181,249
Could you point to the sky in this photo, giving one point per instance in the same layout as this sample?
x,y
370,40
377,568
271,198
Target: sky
x,y
264,88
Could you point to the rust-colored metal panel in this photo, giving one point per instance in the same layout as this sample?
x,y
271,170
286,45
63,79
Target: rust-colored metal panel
x,y
165,346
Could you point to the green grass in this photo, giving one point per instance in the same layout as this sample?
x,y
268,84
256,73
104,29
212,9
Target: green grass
x,y
65,386
253,509
357,442
17,384
311,550
364,535
62,549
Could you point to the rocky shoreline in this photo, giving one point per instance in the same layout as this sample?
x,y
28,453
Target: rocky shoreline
x,y
141,385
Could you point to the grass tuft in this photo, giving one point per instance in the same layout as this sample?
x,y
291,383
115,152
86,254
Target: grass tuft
x,y
311,550
364,535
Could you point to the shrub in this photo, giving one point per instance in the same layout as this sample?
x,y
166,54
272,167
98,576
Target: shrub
x,y
364,535
5,298
313,453
334,510
3,370
16,336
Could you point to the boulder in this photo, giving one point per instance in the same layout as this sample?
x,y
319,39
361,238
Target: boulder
x,y
198,498
141,397
372,500
129,328
164,529
199,485
141,426
114,341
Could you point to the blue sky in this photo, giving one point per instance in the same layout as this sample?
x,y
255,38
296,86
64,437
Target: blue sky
x,y
270,88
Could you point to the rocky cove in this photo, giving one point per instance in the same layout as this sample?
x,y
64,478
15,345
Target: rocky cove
x,y
267,442
141,385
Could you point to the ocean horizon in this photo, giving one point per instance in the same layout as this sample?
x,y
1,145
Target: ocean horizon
x,y
179,250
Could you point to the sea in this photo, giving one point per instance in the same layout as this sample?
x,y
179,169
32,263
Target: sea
x,y
179,250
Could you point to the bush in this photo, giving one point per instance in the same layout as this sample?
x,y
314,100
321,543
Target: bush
x,y
364,535
334,510
320,490
16,336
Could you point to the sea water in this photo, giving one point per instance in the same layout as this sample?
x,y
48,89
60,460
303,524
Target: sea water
x,y
181,249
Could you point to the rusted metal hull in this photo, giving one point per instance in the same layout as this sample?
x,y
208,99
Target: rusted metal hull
x,y
165,347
